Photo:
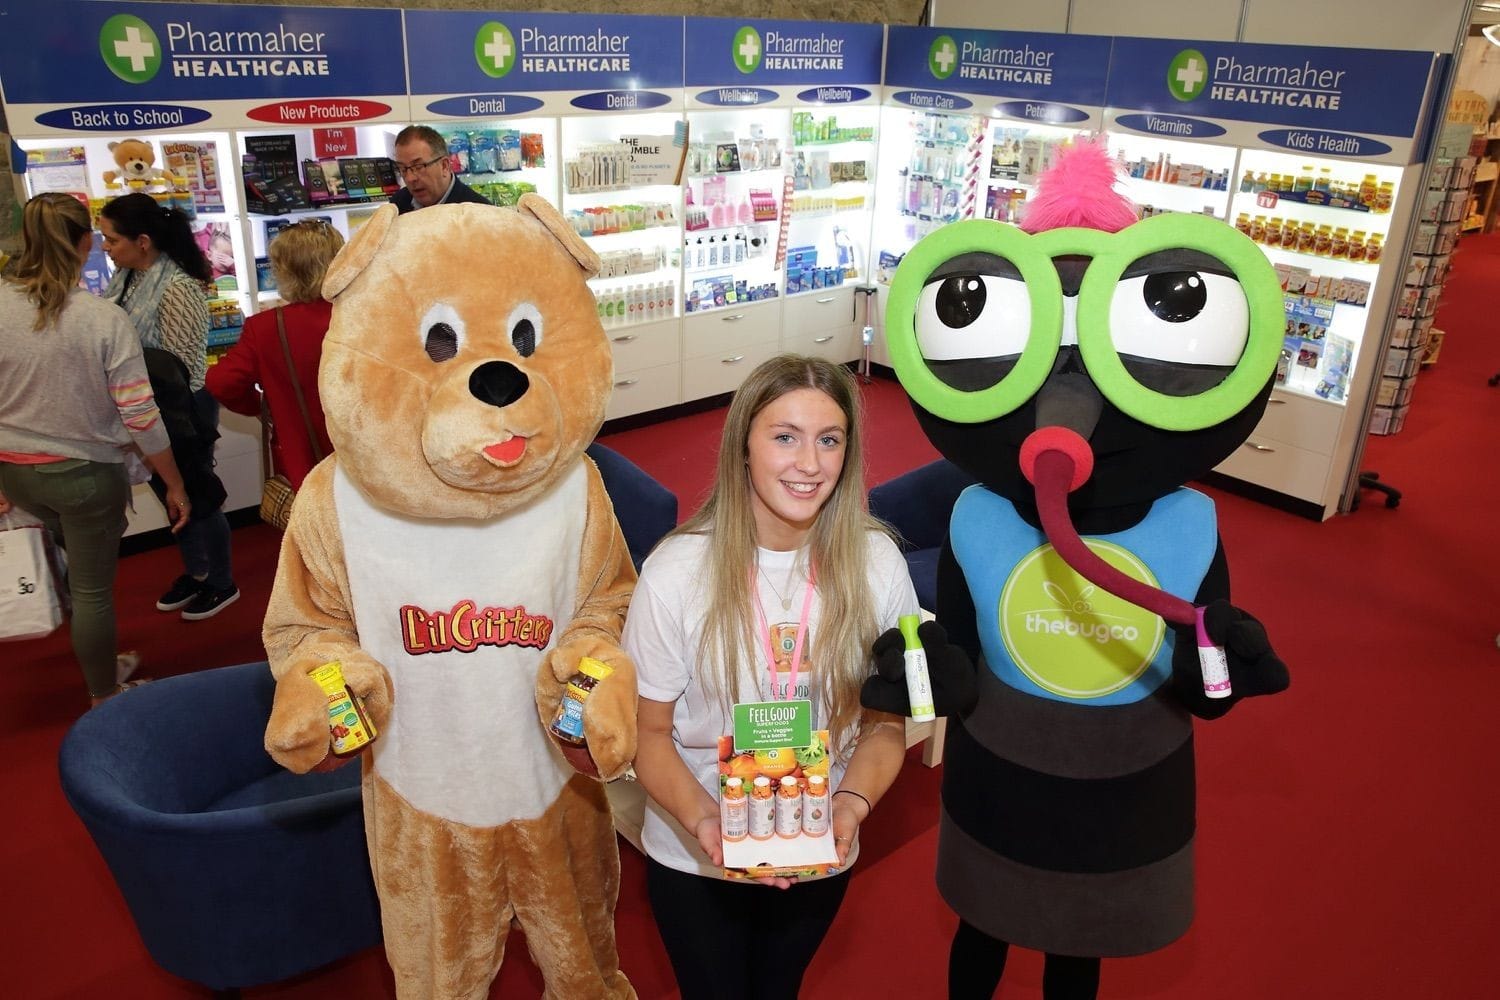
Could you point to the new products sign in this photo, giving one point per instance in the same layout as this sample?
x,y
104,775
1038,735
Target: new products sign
x,y
70,67
1322,101
478,65
754,63
1024,76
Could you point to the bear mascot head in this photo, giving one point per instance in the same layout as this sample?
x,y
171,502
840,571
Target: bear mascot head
x,y
459,557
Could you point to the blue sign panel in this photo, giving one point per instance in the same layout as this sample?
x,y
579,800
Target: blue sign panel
x,y
736,97
1349,90
64,52
931,100
1321,142
728,52
1171,126
1006,65
834,95
485,105
463,52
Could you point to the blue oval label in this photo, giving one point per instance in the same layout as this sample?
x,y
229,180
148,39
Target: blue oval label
x,y
1041,111
115,117
931,100
1323,143
1172,126
620,100
485,105
736,97
833,95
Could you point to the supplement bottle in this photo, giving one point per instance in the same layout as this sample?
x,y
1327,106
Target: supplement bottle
x,y
789,808
762,809
567,725
734,810
348,726
815,810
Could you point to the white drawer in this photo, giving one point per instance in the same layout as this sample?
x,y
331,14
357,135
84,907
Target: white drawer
x,y
644,389
1311,424
1281,467
723,373
818,310
725,330
840,344
646,345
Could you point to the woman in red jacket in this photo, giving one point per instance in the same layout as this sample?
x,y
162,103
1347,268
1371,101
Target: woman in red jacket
x,y
300,255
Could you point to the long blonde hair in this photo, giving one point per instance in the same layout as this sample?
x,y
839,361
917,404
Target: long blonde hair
x,y
49,267
838,545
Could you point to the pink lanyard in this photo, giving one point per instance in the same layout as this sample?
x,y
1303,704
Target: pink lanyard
x,y
765,633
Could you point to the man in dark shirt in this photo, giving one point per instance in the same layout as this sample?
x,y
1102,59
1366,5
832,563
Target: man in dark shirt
x,y
422,161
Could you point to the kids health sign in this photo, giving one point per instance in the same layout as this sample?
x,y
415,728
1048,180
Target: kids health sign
x,y
68,67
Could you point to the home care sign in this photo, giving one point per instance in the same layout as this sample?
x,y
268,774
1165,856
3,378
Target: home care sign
x,y
70,67
1032,77
1352,103
735,63
495,66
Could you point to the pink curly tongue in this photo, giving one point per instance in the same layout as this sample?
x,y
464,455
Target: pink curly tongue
x,y
1057,461
507,451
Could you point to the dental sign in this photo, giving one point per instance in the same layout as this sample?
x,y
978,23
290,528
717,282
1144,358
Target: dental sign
x,y
742,63
1022,76
501,65
1334,102
69,67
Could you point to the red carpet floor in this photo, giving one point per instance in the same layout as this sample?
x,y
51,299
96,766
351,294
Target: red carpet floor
x,y
1346,828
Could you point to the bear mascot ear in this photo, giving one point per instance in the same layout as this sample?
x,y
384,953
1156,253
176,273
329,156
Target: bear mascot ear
x,y
358,252
541,209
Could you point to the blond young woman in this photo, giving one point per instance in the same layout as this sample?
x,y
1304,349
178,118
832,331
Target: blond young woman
x,y
74,397
785,528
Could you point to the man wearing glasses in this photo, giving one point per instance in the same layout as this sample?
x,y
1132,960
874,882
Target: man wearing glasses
x,y
422,161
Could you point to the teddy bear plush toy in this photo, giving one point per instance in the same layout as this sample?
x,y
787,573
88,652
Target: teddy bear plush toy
x,y
138,171
458,555
1081,368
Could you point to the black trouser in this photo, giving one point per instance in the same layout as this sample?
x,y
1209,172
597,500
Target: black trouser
x,y
977,961
740,941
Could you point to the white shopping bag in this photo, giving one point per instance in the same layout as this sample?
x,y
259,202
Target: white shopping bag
x,y
29,608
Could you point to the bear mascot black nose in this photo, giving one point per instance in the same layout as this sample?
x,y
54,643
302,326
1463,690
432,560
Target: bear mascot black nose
x,y
498,383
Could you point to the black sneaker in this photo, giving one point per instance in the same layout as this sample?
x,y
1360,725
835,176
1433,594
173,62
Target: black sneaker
x,y
183,590
208,603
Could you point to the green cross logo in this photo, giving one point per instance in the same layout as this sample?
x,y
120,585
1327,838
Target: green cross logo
x,y
495,49
745,50
942,57
1187,75
130,48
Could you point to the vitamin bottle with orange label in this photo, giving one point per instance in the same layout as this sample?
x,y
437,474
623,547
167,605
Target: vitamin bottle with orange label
x,y
815,806
567,725
734,810
789,808
762,809
348,726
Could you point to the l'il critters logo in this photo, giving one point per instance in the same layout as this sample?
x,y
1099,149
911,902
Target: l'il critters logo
x,y
498,50
133,51
1070,637
1190,76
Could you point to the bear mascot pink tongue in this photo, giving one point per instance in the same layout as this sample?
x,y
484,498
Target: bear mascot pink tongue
x,y
458,556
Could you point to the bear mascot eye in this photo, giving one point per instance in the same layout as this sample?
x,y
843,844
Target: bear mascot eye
x,y
525,325
442,332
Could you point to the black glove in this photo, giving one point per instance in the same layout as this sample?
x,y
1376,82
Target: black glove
x,y
1254,667
955,688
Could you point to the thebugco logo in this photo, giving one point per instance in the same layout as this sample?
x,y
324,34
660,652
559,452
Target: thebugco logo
x,y
746,50
130,48
495,49
1070,637
942,57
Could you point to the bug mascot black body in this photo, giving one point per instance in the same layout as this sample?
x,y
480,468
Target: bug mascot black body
x,y
1068,796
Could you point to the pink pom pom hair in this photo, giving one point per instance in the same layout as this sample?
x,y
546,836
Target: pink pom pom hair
x,y
1078,190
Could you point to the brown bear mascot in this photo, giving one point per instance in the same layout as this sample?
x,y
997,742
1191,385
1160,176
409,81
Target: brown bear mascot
x,y
458,555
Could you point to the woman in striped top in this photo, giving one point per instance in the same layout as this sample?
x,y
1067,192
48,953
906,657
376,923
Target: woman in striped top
x,y
73,398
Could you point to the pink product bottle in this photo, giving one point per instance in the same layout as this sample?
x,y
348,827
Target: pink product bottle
x,y
746,213
716,215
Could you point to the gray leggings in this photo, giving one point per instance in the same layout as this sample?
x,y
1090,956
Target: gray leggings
x,y
82,503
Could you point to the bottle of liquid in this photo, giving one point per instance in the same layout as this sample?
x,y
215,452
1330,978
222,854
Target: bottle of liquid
x,y
349,729
789,808
734,810
918,684
815,812
762,809
567,725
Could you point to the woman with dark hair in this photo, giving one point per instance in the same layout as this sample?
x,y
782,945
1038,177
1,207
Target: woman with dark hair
x,y
73,398
159,280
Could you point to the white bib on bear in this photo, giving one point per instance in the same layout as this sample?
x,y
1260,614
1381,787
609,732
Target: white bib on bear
x,y
461,612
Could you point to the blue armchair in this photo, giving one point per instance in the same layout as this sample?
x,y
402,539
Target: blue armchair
x,y
919,504
646,509
236,872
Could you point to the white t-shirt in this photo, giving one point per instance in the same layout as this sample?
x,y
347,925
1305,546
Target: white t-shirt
x,y
663,633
